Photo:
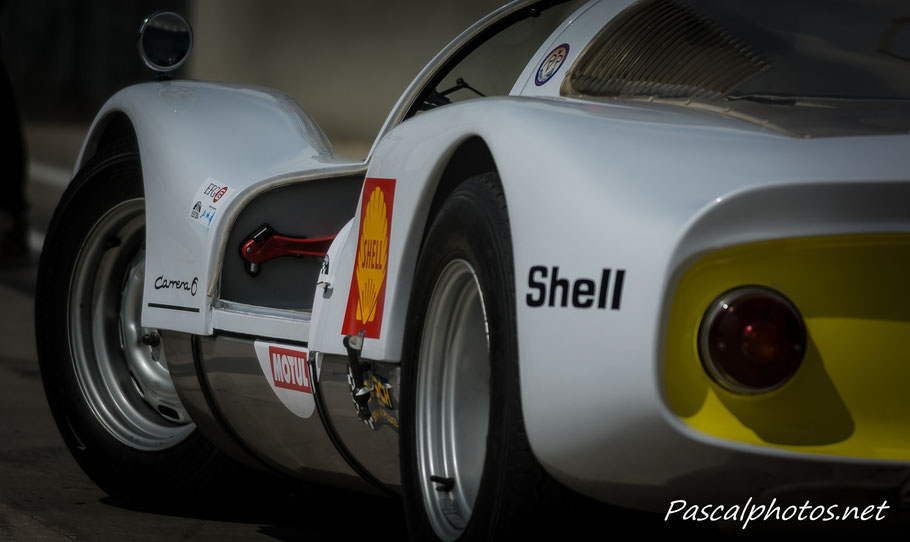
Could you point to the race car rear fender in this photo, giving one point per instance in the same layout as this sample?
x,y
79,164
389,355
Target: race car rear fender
x,y
566,170
596,192
205,149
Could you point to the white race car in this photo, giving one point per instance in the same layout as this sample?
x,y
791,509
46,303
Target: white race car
x,y
647,251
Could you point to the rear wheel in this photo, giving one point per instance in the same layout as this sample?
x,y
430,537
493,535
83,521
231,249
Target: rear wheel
x,y
453,399
467,469
119,365
106,376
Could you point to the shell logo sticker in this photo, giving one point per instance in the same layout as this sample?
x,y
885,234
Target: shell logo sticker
x,y
367,294
551,64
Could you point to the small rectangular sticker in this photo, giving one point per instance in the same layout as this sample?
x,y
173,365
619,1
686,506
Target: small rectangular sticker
x,y
209,198
289,369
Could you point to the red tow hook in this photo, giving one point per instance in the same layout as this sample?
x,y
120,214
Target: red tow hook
x,y
265,244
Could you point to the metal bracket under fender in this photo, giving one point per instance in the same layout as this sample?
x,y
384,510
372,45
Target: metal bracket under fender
x,y
374,443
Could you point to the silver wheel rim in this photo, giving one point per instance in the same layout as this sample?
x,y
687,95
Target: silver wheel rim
x,y
125,382
453,399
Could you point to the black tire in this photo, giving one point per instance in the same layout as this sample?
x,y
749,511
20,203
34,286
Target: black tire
x,y
95,240
472,226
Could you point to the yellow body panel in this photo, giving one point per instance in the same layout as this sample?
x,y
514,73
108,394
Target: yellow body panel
x,y
851,395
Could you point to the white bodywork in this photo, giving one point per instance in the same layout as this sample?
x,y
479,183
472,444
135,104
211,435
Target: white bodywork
x,y
640,187
586,191
192,134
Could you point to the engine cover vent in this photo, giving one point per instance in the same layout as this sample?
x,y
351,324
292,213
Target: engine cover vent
x,y
661,49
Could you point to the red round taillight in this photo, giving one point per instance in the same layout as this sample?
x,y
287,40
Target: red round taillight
x,y
752,340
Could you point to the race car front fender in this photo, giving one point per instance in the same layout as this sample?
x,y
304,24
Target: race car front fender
x,y
205,150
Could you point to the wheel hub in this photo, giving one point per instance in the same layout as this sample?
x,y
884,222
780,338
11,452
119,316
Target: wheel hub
x,y
125,382
453,399
144,350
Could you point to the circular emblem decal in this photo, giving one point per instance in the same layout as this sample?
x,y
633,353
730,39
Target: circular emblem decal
x,y
551,64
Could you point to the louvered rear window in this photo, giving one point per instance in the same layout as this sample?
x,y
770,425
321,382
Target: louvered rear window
x,y
661,48
770,48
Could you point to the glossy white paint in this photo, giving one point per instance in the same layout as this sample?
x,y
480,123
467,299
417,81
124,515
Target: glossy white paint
x,y
261,321
324,337
641,187
245,138
576,31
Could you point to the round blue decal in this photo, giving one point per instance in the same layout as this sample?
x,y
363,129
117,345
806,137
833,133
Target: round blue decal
x,y
551,64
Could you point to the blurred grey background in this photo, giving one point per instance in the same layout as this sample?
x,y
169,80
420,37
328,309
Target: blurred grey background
x,y
345,62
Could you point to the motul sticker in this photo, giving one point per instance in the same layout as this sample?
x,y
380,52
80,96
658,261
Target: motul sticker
x,y
367,294
288,373
210,196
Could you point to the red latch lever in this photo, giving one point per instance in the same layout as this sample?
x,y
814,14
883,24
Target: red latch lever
x,y
265,244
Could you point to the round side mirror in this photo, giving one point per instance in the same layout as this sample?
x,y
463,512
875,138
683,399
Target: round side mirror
x,y
165,40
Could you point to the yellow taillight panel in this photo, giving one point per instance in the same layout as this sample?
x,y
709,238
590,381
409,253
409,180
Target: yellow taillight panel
x,y
851,395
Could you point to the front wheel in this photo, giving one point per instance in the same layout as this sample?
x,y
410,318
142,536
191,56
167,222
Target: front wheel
x,y
106,376
467,469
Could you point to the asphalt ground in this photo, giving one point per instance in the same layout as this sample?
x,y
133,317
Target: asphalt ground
x,y
45,496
